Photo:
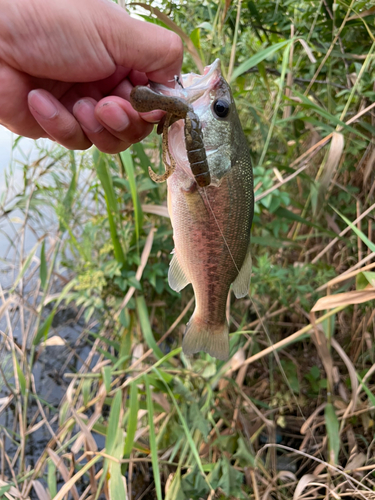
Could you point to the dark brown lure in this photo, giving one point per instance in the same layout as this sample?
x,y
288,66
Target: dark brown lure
x,y
143,99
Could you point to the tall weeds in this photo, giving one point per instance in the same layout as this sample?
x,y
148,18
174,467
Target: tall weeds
x,y
86,314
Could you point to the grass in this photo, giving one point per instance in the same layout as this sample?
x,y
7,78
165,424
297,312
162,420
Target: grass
x,y
96,398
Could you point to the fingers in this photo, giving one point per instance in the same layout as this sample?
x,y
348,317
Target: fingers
x,y
120,124
146,48
14,112
84,111
56,120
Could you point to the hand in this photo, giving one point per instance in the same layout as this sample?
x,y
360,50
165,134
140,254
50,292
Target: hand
x,y
67,69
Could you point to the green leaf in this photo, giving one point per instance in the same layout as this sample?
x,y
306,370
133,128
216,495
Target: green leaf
x,y
258,58
174,491
195,38
4,489
231,479
146,327
44,328
288,214
332,426
51,479
113,423
359,233
21,378
194,484
86,388
153,445
325,114
243,454
107,377
24,268
132,421
102,170
370,395
67,202
127,160
364,279
144,160
198,421
43,266
184,425
116,483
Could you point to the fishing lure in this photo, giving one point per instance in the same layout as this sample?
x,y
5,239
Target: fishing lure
x,y
143,99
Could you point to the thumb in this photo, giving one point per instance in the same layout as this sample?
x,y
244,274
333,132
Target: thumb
x,y
142,46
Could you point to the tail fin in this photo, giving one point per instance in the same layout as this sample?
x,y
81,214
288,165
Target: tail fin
x,y
202,337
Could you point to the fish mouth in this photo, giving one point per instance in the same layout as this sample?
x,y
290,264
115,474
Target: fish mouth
x,y
194,85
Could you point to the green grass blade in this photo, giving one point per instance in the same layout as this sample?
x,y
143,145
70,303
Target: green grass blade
x,y
332,426
113,423
357,231
105,178
184,425
24,268
258,58
116,483
107,376
370,395
127,160
51,479
325,114
146,327
111,436
44,328
132,421
278,100
153,446
21,378
43,266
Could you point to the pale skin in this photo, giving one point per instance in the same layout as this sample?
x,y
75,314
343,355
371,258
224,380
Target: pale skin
x,y
67,69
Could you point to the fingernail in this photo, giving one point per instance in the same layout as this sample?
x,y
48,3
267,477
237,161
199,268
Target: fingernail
x,y
153,116
42,105
83,110
114,116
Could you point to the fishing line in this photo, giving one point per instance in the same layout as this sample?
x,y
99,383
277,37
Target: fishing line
x,y
266,331
221,232
276,354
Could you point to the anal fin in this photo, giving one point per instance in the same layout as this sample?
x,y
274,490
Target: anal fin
x,y
177,279
241,284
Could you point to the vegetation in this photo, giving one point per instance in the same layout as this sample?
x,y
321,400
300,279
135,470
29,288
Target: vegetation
x,y
291,414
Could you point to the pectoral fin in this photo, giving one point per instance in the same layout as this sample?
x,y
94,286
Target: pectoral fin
x,y
176,277
241,284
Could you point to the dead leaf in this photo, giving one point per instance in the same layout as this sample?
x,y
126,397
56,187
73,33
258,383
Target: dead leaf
x,y
335,152
55,340
357,461
344,299
40,491
302,483
352,373
369,167
156,210
58,461
368,12
307,50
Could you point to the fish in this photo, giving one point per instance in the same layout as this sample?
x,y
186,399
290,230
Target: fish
x,y
211,222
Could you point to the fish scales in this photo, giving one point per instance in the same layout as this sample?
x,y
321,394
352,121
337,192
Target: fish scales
x,y
211,225
212,217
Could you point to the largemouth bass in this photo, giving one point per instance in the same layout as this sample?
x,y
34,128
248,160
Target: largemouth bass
x,y
211,223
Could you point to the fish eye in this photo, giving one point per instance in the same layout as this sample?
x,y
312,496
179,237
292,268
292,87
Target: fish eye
x,y
221,108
